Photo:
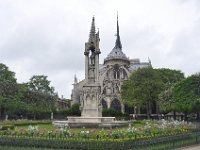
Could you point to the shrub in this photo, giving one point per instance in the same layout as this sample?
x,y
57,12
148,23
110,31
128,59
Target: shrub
x,y
110,112
6,127
23,123
73,111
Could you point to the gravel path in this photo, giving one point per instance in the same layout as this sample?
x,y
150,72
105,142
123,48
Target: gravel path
x,y
195,147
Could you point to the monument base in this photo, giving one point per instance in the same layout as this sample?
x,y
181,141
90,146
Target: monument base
x,y
91,122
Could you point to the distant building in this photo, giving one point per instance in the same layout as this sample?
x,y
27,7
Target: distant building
x,y
62,104
116,68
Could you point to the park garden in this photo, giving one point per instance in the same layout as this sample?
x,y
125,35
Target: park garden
x,y
42,134
25,110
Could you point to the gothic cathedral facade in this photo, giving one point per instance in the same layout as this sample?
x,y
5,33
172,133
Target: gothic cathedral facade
x,y
116,68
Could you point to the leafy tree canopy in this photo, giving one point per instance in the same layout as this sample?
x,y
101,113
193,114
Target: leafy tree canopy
x,y
40,83
170,76
186,94
142,88
6,75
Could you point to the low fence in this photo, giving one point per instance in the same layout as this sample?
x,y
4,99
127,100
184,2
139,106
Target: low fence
x,y
159,143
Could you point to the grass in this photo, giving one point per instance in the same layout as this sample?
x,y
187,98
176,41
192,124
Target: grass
x,y
21,148
47,126
137,124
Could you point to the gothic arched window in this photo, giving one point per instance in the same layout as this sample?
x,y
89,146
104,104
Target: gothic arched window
x,y
116,104
104,103
116,72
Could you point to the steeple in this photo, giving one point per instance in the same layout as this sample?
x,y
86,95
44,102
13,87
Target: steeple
x,y
116,53
92,31
75,79
118,41
91,53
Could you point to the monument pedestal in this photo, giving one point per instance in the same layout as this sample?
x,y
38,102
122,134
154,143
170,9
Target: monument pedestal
x,y
91,107
92,122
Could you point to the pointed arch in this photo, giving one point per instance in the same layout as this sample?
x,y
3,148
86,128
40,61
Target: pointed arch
x,y
104,103
116,104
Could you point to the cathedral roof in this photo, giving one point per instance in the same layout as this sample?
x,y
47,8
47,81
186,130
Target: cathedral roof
x,y
116,52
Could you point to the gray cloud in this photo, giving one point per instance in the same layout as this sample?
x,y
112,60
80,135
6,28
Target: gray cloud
x,y
48,36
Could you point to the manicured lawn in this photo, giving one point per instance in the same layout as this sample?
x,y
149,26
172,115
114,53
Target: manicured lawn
x,y
44,134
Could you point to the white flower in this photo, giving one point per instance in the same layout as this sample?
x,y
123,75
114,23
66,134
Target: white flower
x,y
32,128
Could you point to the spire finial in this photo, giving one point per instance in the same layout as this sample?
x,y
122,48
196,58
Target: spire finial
x,y
75,79
118,42
92,30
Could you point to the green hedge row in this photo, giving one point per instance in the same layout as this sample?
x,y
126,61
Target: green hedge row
x,y
6,127
110,112
24,123
72,111
169,142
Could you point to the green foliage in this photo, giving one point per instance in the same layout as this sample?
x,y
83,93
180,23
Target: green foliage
x,y
8,89
169,77
147,86
34,97
110,112
6,75
72,111
11,124
118,138
142,88
41,84
186,94
6,127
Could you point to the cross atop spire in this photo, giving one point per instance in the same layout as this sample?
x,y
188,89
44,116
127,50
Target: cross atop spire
x,y
118,41
92,30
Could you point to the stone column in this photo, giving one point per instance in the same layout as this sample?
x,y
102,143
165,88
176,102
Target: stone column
x,y
122,108
97,67
86,66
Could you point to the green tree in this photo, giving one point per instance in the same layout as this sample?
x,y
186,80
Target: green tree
x,y
8,89
40,83
142,89
169,77
39,95
186,94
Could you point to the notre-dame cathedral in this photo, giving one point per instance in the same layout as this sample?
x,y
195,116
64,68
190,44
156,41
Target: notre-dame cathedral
x,y
116,68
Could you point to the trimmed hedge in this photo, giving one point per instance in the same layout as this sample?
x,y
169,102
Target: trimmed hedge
x,y
168,142
6,127
72,111
110,112
23,123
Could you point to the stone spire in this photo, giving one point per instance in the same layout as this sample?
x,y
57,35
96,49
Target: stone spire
x,y
75,79
92,31
116,53
118,41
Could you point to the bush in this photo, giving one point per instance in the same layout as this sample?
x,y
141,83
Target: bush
x,y
110,112
73,111
23,123
6,127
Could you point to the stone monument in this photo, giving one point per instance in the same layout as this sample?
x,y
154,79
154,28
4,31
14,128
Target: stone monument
x,y
90,100
91,108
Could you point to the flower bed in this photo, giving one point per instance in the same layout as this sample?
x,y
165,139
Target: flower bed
x,y
147,130
138,134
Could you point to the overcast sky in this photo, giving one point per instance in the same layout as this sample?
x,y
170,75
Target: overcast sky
x,y
47,36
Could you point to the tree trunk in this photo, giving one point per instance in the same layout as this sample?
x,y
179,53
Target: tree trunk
x,y
185,116
1,113
148,110
174,114
198,115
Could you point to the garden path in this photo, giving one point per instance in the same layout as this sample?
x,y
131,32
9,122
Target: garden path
x,y
195,147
